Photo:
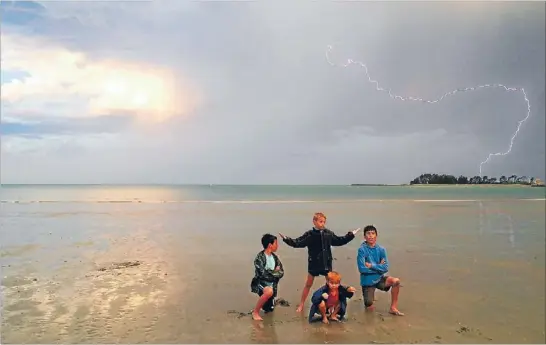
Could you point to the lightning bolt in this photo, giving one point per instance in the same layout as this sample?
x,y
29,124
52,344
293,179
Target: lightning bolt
x,y
350,62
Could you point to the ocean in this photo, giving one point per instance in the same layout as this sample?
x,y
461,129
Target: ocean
x,y
238,193
173,264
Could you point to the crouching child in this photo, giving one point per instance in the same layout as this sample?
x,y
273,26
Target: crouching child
x,y
330,300
268,271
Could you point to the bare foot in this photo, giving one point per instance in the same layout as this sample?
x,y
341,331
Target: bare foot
x,y
334,318
370,308
256,316
299,309
325,320
396,312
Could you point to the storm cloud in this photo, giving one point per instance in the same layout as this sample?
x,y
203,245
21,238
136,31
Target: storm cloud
x,y
253,99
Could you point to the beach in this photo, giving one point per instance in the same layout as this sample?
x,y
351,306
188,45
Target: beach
x,y
173,264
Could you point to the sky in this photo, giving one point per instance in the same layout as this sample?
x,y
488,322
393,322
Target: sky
x,y
242,93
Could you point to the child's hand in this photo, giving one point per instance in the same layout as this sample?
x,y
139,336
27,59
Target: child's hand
x,y
325,295
278,268
382,261
351,289
367,264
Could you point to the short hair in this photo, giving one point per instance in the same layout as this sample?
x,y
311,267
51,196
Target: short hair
x,y
318,215
334,277
268,239
370,228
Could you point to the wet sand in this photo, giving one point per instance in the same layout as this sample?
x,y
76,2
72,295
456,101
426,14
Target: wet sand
x,y
472,273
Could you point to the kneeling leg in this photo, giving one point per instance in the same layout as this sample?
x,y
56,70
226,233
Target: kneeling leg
x,y
368,292
266,295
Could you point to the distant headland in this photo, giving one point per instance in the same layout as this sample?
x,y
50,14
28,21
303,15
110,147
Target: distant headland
x,y
430,179
443,179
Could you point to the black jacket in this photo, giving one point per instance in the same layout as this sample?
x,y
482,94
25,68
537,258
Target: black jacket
x,y
319,247
261,274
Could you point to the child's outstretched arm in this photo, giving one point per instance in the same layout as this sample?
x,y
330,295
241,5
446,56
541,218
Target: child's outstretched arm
x,y
343,240
300,242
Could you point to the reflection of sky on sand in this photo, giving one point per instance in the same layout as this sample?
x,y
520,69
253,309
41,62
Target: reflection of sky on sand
x,y
197,265
499,222
264,332
77,297
296,330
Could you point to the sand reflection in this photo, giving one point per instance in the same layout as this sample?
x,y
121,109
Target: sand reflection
x,y
264,333
496,221
104,298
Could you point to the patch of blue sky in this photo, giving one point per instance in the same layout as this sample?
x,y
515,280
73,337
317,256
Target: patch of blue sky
x,y
22,129
7,76
58,126
18,13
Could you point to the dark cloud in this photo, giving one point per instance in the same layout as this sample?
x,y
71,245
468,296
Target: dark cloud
x,y
276,112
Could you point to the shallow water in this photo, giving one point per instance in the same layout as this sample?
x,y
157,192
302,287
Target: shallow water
x,y
479,265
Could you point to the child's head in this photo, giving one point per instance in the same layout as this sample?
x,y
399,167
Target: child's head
x,y
319,220
370,234
333,279
270,242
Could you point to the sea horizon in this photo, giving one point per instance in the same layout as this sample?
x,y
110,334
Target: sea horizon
x,y
195,184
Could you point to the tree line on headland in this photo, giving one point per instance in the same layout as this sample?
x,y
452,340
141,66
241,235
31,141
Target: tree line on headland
x,y
450,179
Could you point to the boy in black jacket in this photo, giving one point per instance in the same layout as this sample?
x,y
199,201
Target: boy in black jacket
x,y
318,242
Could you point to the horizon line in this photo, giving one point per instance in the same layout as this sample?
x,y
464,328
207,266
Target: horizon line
x,y
196,184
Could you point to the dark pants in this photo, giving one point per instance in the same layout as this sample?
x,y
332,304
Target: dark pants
x,y
368,292
318,273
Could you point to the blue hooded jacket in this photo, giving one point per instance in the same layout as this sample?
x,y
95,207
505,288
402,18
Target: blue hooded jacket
x,y
374,255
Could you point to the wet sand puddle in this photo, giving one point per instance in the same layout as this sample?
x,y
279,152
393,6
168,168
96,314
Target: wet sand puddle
x,y
101,301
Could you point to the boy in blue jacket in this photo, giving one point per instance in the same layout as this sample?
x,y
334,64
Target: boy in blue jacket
x,y
373,266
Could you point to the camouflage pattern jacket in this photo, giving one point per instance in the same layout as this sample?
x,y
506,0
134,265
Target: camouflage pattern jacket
x,y
263,275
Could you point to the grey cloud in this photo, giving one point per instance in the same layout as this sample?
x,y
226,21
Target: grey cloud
x,y
276,112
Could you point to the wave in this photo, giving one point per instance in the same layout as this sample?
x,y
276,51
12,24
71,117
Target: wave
x,y
138,201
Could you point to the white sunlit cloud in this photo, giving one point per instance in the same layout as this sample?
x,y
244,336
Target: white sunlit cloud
x,y
54,81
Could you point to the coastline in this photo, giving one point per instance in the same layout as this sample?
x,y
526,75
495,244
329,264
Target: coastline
x,y
513,185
